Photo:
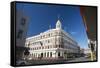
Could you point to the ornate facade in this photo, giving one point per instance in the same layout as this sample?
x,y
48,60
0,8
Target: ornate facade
x,y
52,44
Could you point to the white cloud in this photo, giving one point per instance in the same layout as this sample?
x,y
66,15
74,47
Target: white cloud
x,y
73,32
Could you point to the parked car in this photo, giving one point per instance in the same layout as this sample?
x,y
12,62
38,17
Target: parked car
x,y
21,62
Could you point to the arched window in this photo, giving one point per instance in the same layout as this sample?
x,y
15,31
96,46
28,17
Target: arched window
x,y
41,55
58,54
50,54
47,54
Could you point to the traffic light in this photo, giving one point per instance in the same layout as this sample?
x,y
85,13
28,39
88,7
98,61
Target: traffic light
x,y
92,47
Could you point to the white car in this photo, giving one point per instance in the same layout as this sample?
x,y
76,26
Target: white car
x,y
30,58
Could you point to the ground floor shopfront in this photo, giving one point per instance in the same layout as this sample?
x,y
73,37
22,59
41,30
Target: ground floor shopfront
x,y
51,54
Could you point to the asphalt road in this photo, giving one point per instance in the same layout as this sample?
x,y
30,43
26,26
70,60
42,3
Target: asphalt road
x,y
80,59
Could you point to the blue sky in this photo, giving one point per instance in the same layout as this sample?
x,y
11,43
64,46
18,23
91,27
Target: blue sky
x,y
42,16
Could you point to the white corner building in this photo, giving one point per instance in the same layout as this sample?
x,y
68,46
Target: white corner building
x,y
52,44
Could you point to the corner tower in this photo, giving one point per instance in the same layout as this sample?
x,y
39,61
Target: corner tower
x,y
58,25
